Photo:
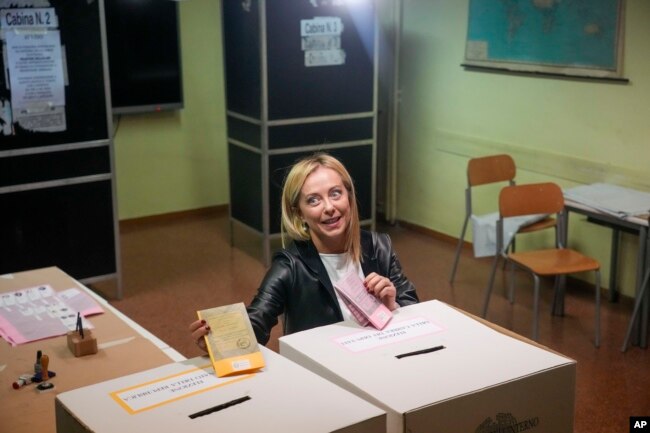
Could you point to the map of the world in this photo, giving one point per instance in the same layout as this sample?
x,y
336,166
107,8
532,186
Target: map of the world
x,y
576,37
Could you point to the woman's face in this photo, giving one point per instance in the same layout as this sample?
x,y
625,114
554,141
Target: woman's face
x,y
324,205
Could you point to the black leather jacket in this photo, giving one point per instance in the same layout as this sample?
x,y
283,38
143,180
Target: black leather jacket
x,y
297,286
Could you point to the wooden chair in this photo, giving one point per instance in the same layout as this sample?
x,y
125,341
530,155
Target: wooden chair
x,y
638,299
559,261
483,171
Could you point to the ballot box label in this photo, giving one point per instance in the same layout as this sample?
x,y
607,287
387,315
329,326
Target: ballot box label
x,y
394,332
149,395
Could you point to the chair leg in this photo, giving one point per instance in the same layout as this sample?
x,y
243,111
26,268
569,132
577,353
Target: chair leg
x,y
597,324
459,247
488,290
510,248
557,301
511,294
536,309
637,307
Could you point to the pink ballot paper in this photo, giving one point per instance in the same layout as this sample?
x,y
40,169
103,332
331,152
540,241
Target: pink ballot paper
x,y
355,295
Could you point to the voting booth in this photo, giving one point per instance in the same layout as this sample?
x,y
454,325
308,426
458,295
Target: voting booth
x,y
434,368
188,397
57,182
300,77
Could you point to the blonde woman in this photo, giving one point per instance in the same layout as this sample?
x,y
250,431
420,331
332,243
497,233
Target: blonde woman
x,y
320,217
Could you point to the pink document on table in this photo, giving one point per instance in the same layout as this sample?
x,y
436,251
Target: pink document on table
x,y
39,312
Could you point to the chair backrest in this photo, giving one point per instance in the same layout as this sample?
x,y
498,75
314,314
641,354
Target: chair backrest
x,y
490,169
535,198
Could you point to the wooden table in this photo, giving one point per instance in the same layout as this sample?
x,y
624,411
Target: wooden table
x,y
125,348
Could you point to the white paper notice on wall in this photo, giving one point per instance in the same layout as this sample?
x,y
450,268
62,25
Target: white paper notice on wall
x,y
321,41
34,57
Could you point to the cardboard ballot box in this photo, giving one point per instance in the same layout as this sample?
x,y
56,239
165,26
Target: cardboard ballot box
x,y
437,369
188,397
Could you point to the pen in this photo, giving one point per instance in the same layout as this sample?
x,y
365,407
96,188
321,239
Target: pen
x,y
80,327
420,352
219,407
37,364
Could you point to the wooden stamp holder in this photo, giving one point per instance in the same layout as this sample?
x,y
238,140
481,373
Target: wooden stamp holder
x,y
82,346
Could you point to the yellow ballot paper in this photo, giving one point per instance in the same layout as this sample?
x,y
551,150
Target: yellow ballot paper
x,y
231,341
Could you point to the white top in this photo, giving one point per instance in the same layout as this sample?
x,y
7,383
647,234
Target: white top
x,y
337,265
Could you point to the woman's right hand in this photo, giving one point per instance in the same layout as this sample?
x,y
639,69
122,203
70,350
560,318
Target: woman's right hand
x,y
200,329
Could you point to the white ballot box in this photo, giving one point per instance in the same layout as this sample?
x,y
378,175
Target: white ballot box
x,y
434,368
188,397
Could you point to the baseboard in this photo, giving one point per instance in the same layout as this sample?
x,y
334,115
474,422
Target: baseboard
x,y
135,223
432,233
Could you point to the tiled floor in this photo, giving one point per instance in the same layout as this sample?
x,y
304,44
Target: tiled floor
x,y
172,267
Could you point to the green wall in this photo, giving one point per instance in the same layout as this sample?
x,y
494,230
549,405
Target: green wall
x,y
174,161
567,131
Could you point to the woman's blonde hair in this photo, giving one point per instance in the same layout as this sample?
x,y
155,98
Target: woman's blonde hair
x,y
292,223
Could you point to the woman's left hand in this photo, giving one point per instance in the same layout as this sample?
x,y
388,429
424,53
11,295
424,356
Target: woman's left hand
x,y
382,288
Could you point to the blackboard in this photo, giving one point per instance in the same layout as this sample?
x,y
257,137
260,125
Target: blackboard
x,y
144,55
